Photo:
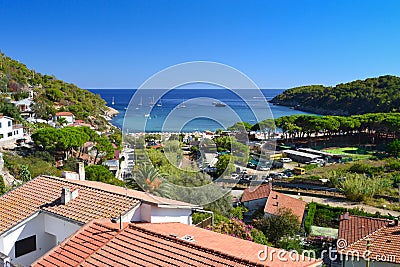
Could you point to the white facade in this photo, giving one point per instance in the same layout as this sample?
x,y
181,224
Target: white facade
x,y
8,131
70,119
154,214
48,231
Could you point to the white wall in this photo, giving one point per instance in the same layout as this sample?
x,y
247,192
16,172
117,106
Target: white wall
x,y
159,215
49,231
58,227
254,205
154,214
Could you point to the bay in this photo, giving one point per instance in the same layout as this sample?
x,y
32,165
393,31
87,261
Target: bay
x,y
191,109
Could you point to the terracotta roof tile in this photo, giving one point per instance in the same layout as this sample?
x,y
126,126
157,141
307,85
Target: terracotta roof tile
x,y
64,113
44,193
145,244
356,227
384,237
256,192
146,197
278,200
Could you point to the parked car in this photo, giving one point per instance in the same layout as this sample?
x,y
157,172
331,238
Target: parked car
x,y
285,160
263,168
251,165
234,176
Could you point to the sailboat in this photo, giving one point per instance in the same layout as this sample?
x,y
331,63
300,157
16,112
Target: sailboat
x,y
112,102
182,105
159,104
140,103
152,101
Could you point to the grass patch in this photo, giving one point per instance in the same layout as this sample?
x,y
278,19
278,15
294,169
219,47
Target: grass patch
x,y
351,152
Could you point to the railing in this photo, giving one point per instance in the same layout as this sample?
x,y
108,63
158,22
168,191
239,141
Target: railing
x,y
205,223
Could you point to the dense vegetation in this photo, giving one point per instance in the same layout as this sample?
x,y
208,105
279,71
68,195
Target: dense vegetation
x,y
49,92
380,94
375,124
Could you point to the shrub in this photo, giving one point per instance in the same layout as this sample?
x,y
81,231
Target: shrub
x,y
358,187
309,220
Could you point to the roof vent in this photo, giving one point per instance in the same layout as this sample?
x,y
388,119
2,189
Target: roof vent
x,y
188,238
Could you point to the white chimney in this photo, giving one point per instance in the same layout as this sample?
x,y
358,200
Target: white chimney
x,y
65,195
81,171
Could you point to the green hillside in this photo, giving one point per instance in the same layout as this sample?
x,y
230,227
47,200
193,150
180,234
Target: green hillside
x,y
50,94
372,95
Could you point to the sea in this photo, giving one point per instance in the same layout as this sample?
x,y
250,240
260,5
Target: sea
x,y
190,110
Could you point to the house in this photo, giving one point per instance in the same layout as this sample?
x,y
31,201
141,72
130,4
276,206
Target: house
x,y
278,200
263,198
68,116
104,243
255,197
43,212
359,236
9,131
24,106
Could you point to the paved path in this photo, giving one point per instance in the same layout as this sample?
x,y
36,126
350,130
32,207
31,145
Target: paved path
x,y
335,202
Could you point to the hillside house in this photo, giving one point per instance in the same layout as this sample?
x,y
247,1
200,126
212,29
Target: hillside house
x,y
263,198
43,212
67,116
9,131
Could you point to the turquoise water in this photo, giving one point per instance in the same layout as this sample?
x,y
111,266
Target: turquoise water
x,y
190,110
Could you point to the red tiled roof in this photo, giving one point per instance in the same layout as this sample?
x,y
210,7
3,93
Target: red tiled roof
x,y
356,227
384,237
146,197
101,243
64,113
44,193
256,192
278,200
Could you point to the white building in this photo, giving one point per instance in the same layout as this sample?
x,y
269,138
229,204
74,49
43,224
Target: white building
x,y
9,131
42,213
68,116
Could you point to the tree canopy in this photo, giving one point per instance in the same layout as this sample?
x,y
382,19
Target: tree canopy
x,y
380,94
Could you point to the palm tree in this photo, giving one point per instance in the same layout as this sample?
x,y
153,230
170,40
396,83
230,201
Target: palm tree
x,y
148,179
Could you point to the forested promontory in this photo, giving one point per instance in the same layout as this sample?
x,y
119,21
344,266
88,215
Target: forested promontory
x,y
372,95
50,94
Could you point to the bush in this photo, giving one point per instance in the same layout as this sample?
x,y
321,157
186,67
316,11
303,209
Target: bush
x,y
358,187
309,220
2,185
364,168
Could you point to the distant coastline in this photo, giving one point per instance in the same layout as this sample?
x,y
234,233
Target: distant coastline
x,y
119,100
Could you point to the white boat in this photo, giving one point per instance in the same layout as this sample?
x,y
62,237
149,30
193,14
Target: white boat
x,y
141,102
219,104
152,101
182,105
159,104
147,115
112,102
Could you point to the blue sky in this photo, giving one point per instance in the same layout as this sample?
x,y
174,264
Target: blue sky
x,y
277,43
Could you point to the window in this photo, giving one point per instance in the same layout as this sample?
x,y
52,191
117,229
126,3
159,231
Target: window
x,y
24,246
9,134
0,124
9,123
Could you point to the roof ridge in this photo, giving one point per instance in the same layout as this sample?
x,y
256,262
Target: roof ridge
x,y
370,218
186,243
87,186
